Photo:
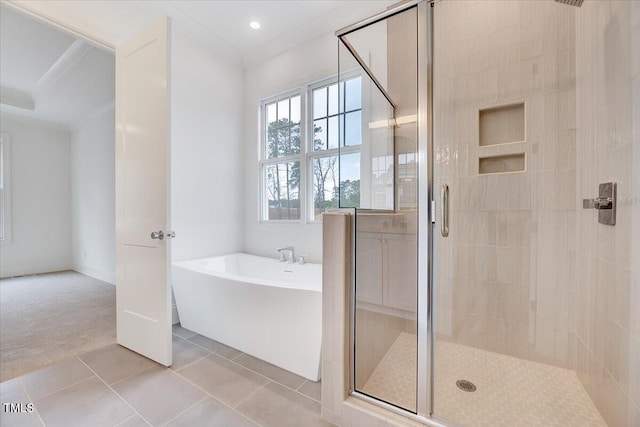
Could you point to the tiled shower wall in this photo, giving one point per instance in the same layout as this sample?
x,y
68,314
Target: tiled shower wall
x,y
505,274
607,316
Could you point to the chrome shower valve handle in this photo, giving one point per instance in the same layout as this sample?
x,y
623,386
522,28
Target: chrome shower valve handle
x,y
605,203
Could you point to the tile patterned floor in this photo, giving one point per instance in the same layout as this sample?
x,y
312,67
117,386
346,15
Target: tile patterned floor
x,y
209,384
510,391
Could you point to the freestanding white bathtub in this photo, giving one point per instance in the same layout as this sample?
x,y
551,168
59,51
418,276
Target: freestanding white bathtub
x,y
266,308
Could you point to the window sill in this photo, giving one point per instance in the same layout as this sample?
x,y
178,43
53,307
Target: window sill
x,y
280,221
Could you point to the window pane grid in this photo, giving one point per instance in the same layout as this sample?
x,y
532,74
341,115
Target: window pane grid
x,y
350,179
282,183
1,163
336,120
324,178
282,127
5,208
2,205
330,128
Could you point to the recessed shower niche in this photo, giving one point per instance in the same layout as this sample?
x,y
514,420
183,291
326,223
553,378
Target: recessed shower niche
x,y
499,125
502,163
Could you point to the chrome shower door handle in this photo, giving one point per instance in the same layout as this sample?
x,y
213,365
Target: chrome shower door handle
x,y
444,199
157,235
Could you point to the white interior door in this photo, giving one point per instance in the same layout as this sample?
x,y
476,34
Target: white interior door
x,y
143,291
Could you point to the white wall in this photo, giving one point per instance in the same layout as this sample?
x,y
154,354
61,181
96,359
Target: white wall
x,y
41,197
306,63
93,197
206,147
214,134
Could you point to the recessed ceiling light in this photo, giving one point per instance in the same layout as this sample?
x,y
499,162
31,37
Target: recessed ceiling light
x,y
255,25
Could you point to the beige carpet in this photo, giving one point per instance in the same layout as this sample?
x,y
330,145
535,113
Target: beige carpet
x,y
47,318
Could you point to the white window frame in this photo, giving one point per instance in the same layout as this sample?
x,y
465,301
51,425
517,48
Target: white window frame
x,y
263,205
5,190
306,155
313,155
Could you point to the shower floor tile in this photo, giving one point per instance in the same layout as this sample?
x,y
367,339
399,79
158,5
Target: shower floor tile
x,y
510,391
394,379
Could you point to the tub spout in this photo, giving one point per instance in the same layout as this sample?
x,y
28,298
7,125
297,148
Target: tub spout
x,y
290,257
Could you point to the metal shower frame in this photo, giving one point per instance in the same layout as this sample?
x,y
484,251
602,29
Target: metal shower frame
x,y
426,212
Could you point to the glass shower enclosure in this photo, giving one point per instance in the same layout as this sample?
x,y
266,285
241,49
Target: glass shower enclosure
x,y
462,241
385,323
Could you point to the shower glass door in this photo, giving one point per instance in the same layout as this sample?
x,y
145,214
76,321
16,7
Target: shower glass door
x,y
378,159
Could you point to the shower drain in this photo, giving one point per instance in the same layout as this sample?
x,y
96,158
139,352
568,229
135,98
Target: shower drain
x,y
465,385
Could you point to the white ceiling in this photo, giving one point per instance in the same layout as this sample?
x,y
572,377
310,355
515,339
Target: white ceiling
x,y
41,44
230,19
46,74
285,24
222,24
68,79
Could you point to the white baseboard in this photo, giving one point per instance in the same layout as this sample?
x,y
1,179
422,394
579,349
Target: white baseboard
x,y
96,273
33,269
174,315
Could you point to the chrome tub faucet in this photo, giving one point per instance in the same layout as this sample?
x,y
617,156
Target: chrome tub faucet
x,y
290,257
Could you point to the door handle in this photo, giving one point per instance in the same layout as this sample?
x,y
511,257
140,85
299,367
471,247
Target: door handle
x,y
444,199
157,235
